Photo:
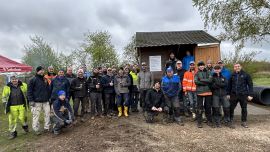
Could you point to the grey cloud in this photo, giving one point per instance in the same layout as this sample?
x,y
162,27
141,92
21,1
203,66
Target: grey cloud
x,y
63,22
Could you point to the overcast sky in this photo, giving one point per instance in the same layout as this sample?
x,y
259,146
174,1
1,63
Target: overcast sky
x,y
62,23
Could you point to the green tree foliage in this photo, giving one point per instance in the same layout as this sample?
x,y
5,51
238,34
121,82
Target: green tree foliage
x,y
98,45
241,20
130,52
66,60
39,52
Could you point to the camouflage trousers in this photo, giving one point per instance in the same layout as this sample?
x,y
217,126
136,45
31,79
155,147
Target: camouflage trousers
x,y
36,111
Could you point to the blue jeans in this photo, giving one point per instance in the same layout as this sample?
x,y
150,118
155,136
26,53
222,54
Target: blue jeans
x,y
192,99
122,99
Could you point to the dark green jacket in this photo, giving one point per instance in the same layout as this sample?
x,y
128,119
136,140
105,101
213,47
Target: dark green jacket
x,y
203,81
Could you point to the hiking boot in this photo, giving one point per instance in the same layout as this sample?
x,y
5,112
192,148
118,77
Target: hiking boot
x,y
218,125
25,128
82,120
210,124
230,125
179,121
55,132
13,135
244,124
199,125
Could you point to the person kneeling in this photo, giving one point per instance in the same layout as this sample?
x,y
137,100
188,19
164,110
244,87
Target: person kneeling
x,y
154,101
62,113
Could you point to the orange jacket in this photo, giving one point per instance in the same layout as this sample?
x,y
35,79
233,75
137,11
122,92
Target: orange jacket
x,y
188,81
49,78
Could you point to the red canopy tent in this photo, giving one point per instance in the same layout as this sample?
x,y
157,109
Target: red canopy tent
x,y
8,65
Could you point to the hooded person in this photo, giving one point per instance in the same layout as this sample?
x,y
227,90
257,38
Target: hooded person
x,y
62,113
14,100
78,88
187,59
38,95
171,87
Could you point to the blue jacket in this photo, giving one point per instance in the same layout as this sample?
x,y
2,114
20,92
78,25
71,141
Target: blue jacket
x,y
171,86
226,73
186,61
57,104
58,84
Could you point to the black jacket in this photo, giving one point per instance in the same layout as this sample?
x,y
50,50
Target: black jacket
x,y
67,114
219,85
38,89
78,87
240,84
92,82
105,81
154,98
180,73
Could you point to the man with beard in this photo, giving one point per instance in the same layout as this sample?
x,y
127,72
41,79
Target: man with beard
x,y
121,84
145,82
172,61
14,100
79,90
95,91
51,74
108,89
38,95
60,82
189,88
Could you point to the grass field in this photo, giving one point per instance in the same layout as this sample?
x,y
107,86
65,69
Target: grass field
x,y
262,81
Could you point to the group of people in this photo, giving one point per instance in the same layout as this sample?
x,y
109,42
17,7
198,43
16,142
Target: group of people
x,y
183,90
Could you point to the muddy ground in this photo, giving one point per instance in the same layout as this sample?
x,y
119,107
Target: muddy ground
x,y
134,135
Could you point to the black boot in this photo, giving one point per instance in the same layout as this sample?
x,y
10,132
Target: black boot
x,y
199,118
25,128
13,135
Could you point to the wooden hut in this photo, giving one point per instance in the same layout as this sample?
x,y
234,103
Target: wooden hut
x,y
154,47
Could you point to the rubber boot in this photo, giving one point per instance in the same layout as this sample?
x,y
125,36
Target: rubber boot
x,y
126,111
120,112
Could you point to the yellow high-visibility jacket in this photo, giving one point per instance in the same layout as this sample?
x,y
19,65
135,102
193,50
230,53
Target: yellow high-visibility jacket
x,y
6,95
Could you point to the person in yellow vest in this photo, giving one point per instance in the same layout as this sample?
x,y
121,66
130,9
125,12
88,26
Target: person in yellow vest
x,y
14,100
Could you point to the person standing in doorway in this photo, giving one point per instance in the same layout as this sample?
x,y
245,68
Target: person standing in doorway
x,y
187,59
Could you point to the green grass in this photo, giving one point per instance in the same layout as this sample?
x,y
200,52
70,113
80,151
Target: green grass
x,y
17,144
262,81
